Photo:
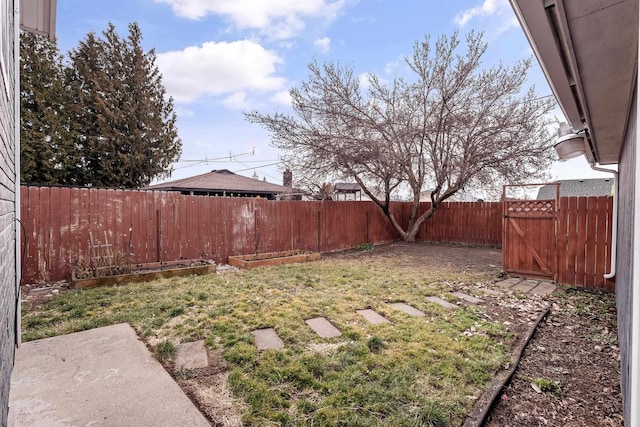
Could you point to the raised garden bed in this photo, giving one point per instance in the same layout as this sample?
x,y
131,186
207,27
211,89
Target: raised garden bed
x,y
272,258
146,272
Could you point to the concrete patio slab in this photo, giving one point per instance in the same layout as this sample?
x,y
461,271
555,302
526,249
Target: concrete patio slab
x,y
267,339
100,377
323,327
508,283
544,288
191,355
467,298
524,286
512,280
372,317
441,302
406,308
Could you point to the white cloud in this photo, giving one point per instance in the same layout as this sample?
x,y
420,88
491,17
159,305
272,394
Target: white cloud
x,y
488,7
281,97
364,81
183,112
497,13
323,44
237,101
219,69
286,44
390,67
277,19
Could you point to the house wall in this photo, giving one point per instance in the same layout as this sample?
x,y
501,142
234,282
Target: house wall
x,y
625,259
8,145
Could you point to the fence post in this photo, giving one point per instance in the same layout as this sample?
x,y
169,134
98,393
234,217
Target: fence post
x,y
158,235
319,230
367,226
255,228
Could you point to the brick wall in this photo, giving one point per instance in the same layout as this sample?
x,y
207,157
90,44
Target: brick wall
x,y
8,145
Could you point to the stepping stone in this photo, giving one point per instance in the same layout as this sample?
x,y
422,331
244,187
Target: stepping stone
x,y
443,303
492,292
406,308
267,339
191,355
544,288
372,317
323,327
512,280
467,298
506,284
524,286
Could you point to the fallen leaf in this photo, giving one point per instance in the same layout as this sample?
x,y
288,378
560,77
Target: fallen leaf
x,y
535,387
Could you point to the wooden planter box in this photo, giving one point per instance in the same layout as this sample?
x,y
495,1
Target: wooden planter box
x,y
145,273
272,258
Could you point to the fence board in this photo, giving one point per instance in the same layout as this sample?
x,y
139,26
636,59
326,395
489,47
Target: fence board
x,y
572,240
601,241
581,242
71,244
592,229
563,239
31,259
609,284
43,239
55,260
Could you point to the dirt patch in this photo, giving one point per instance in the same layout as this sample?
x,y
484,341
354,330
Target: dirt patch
x,y
447,258
208,388
570,373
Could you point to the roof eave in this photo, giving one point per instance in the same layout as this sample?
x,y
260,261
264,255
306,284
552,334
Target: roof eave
x,y
39,17
214,190
586,50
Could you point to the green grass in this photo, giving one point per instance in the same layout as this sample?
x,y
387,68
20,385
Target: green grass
x,y
165,351
411,372
364,247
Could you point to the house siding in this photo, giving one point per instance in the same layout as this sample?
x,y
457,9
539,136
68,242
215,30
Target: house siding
x,y
8,145
625,256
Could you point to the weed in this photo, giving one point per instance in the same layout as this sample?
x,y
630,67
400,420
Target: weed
x,y
176,311
184,374
548,386
364,247
375,344
165,351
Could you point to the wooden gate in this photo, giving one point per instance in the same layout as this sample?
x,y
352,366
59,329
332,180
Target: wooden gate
x,y
530,236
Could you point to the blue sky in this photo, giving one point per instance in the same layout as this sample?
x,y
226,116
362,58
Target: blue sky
x,y
222,57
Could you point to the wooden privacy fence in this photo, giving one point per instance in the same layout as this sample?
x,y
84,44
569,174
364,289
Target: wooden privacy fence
x,y
567,240
165,226
584,246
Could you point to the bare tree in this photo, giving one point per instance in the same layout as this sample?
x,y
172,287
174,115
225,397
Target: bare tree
x,y
454,126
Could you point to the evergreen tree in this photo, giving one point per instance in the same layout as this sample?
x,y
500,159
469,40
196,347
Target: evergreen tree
x,y
127,131
44,117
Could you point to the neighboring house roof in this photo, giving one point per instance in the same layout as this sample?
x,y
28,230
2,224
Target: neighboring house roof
x,y
577,188
222,181
347,187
